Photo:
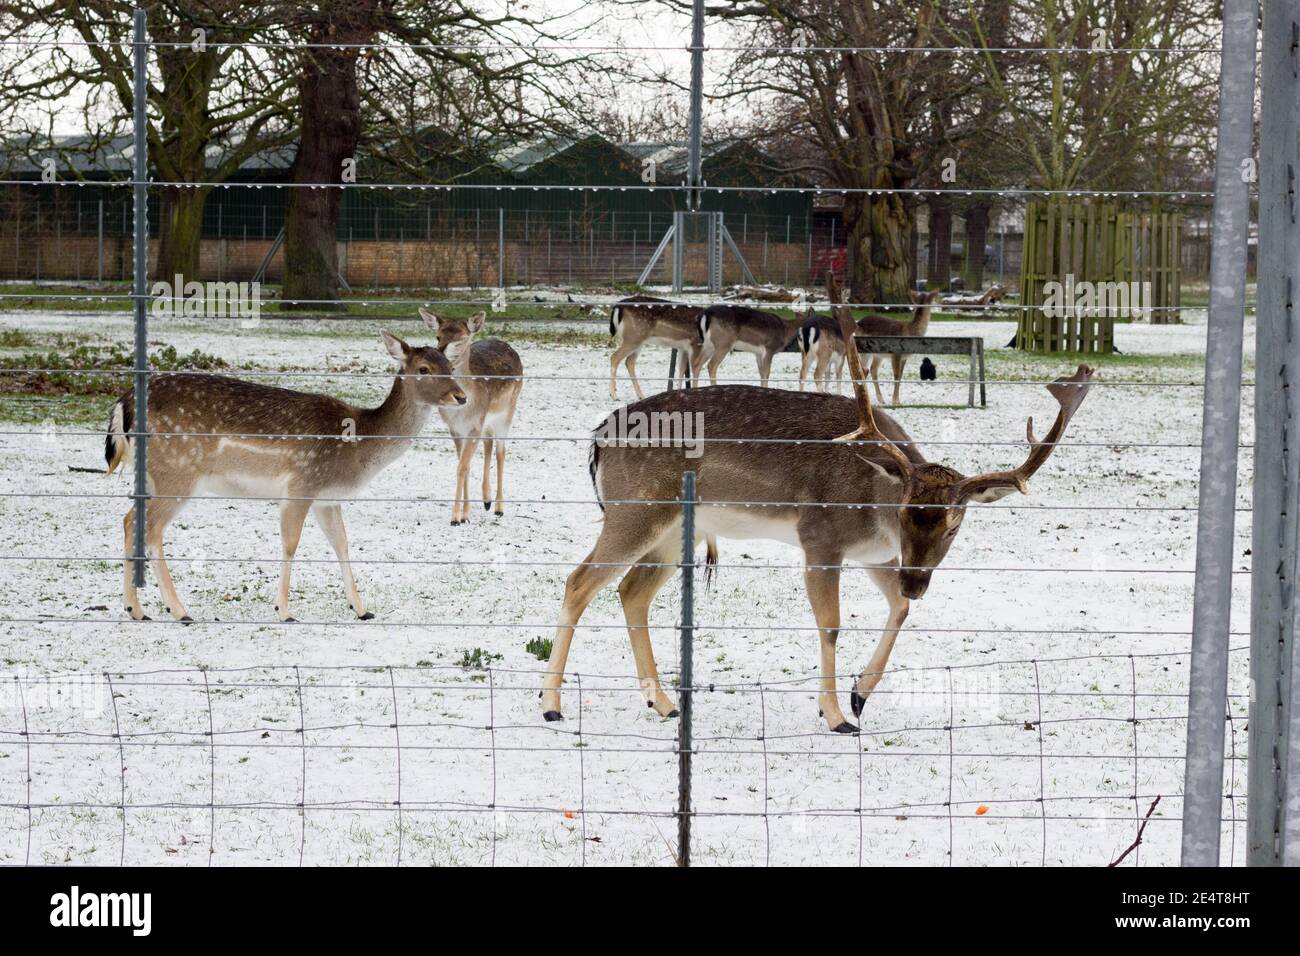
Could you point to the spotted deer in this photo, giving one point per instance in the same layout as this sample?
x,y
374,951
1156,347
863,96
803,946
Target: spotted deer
x,y
822,346
210,434
727,328
642,320
795,467
491,375
884,325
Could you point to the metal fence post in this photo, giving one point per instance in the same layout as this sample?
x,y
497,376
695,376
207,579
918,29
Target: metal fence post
x,y
1203,786
1277,453
99,244
687,664
501,248
141,256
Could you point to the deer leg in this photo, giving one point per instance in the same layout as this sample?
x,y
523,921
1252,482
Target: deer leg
x,y
460,510
620,543
803,369
158,514
330,518
487,473
705,353
819,372
130,596
822,581
631,373
764,367
499,510
899,361
292,515
888,581
636,591
875,378
714,361
620,353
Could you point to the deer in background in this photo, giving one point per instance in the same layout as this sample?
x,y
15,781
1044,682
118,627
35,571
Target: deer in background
x,y
641,320
821,343
786,455
883,325
218,435
724,328
490,373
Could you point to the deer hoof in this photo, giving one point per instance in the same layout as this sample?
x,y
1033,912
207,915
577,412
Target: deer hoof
x,y
672,713
487,506
145,617
499,514
368,616
856,703
846,728
187,619
289,620
551,716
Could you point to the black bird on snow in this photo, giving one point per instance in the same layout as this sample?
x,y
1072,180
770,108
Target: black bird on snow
x,y
928,372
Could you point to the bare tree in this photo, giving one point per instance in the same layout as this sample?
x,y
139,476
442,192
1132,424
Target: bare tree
x,y
1119,97
826,94
213,104
400,76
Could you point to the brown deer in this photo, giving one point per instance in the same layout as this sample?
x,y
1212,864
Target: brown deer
x,y
641,320
218,435
822,345
884,325
725,328
491,374
787,455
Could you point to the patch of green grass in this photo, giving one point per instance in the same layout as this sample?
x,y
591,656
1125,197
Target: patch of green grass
x,y
478,659
540,648
50,379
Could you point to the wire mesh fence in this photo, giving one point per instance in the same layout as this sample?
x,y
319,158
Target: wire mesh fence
x,y
1034,711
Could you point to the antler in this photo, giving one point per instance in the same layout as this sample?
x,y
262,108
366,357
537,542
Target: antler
x,y
866,429
1069,392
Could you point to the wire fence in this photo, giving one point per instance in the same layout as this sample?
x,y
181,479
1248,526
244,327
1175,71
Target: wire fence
x,y
1035,709
438,764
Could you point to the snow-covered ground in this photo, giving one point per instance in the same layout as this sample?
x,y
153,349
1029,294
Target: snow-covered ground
x,y
1005,732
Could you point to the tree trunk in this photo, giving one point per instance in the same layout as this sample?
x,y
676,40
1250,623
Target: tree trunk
x,y
977,234
879,247
331,127
941,241
180,233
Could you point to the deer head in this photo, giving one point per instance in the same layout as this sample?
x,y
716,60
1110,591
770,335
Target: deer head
x,y
454,335
425,372
934,497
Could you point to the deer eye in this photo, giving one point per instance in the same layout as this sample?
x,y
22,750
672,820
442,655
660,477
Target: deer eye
x,y
424,370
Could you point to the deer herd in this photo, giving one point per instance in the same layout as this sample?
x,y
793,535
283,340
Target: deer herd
x,y
828,474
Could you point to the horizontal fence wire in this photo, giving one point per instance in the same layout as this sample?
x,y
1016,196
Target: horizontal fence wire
x,y
140,727
1048,754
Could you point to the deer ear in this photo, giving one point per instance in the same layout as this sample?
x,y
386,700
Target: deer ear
x,y
987,495
475,322
396,347
881,470
430,319
456,350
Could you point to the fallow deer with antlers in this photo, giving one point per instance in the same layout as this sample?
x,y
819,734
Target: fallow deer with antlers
x,y
217,435
794,467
